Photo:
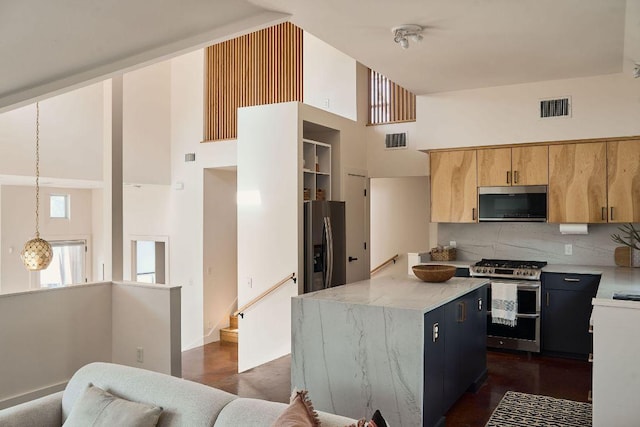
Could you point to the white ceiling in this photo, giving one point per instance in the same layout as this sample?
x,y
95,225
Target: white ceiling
x,y
50,46
470,43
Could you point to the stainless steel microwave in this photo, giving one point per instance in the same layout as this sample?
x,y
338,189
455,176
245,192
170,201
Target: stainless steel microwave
x,y
523,203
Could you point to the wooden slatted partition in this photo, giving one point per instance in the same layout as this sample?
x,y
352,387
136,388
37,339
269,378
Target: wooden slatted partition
x,y
264,67
389,102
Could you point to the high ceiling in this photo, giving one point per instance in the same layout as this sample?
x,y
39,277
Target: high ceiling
x,y
471,43
49,46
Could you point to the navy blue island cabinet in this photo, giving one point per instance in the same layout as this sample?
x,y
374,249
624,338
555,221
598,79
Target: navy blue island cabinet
x,y
455,353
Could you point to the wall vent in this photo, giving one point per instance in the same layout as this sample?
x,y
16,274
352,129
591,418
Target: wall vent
x,y
559,107
190,157
394,141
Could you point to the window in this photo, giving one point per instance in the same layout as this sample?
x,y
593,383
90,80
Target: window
x,y
67,266
148,261
389,102
59,206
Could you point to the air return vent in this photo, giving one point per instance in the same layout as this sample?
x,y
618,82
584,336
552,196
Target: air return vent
x,y
394,141
559,107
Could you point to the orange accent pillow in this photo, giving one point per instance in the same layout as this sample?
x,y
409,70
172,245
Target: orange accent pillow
x,y
299,413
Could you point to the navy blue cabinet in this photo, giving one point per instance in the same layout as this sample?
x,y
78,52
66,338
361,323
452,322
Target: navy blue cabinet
x,y
566,312
455,355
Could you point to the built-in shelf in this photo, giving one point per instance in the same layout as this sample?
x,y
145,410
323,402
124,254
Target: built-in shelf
x,y
317,170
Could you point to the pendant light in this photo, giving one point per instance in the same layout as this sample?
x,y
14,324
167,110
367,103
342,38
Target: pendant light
x,y
37,253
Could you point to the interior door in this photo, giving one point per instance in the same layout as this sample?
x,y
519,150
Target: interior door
x,y
357,223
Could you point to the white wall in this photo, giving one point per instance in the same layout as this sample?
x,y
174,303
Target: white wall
x,y
48,335
54,332
146,213
399,220
147,317
147,125
631,55
220,250
329,78
186,207
269,166
71,129
603,106
18,225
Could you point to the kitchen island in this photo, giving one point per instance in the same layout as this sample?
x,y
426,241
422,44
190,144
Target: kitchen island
x,y
397,344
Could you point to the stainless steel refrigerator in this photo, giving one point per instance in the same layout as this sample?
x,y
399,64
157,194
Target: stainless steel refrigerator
x,y
325,251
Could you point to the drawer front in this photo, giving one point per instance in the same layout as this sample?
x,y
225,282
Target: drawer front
x,y
571,282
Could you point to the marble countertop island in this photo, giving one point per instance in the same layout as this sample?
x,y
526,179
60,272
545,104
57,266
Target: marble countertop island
x,y
360,347
399,292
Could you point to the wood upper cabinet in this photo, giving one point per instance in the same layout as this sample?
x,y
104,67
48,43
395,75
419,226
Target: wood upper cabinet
x,y
578,183
526,165
623,179
454,191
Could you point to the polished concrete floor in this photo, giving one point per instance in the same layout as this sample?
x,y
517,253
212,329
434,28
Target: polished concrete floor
x,y
216,365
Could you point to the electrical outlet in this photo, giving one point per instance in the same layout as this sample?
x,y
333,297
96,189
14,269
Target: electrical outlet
x,y
140,354
452,243
326,103
568,249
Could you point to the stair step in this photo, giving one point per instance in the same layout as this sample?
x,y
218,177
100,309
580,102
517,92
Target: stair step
x,y
229,335
233,322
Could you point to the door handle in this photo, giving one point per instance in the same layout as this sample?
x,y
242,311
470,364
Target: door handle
x,y
352,259
547,299
479,304
435,332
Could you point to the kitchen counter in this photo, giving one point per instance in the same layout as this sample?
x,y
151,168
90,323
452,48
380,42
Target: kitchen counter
x,y
613,279
399,292
361,347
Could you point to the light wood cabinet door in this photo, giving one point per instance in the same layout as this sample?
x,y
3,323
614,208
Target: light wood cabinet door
x,y
454,191
494,167
623,179
577,183
530,165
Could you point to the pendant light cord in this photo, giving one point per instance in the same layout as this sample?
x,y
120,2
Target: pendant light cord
x,y
37,170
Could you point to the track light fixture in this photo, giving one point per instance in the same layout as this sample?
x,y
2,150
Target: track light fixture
x,y
403,33
636,70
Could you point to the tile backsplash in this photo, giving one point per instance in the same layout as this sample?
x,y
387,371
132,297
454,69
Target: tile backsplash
x,y
530,241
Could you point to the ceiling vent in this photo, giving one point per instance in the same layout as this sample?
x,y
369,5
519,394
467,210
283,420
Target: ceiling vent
x,y
395,141
190,157
559,107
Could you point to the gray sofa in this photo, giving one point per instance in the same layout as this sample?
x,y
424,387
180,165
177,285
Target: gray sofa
x,y
184,403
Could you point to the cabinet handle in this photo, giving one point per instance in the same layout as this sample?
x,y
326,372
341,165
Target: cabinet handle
x,y
461,311
547,299
604,213
508,177
473,214
611,215
515,177
571,279
479,304
435,332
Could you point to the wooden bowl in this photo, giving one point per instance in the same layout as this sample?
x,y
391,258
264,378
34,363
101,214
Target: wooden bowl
x,y
434,272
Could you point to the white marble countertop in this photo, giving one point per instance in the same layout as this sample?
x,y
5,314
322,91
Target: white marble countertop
x,y
613,279
399,292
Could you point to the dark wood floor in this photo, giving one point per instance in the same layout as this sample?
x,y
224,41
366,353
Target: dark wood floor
x,y
216,365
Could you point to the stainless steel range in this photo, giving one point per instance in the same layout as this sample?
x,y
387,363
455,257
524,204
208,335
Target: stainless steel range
x,y
526,274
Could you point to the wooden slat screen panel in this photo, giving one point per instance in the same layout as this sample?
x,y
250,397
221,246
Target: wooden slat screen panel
x,y
264,67
389,102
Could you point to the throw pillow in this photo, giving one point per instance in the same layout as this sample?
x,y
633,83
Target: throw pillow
x,y
98,408
376,421
299,413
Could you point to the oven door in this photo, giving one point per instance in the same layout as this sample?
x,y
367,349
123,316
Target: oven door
x,y
526,334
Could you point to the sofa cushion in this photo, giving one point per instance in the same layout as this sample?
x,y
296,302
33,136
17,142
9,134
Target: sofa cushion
x,y
299,413
98,408
184,403
248,412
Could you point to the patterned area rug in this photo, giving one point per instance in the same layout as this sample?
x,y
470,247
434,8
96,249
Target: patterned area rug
x,y
529,410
